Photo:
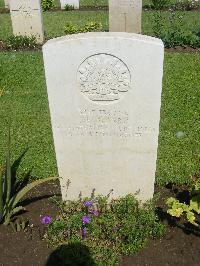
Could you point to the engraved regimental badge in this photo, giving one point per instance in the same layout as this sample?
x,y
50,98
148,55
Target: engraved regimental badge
x,y
103,78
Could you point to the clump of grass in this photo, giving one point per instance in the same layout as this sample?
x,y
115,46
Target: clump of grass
x,y
107,229
47,4
68,7
21,42
88,27
174,34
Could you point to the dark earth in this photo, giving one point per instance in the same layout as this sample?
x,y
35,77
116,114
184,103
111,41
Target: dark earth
x,y
179,246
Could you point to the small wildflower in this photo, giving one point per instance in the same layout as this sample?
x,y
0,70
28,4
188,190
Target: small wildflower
x,y
46,219
95,213
88,203
86,219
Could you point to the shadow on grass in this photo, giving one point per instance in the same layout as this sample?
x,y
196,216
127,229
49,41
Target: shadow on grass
x,y
71,255
18,185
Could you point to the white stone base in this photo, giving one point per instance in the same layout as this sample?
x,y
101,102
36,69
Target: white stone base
x,y
74,3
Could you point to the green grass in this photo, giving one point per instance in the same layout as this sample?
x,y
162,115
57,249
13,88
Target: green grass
x,y
83,2
54,22
179,157
2,4
93,2
24,100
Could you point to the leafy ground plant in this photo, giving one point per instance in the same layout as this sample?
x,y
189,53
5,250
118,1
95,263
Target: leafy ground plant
x,y
88,27
186,4
107,228
10,191
68,7
47,4
174,33
159,4
191,210
21,42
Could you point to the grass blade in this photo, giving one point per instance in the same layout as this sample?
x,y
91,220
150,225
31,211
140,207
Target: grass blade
x,y
8,170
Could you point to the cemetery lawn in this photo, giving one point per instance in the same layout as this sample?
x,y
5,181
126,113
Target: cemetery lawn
x,y
23,101
95,3
54,22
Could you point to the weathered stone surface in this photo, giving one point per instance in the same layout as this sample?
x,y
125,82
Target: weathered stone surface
x,y
125,15
74,3
26,16
104,93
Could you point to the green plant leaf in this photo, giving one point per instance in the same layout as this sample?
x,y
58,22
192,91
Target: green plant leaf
x,y
175,212
170,201
13,226
14,201
191,217
8,170
18,226
195,203
16,210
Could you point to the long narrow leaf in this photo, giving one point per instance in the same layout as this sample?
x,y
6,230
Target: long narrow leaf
x,y
14,201
12,212
8,170
16,210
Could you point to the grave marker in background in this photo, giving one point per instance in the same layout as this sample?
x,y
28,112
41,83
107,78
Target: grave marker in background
x,y
26,16
104,92
74,3
125,15
6,3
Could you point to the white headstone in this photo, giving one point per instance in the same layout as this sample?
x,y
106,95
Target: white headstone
x,y
104,92
125,15
6,3
74,3
26,16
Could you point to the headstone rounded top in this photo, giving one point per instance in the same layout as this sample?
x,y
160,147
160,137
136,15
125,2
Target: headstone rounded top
x,y
99,35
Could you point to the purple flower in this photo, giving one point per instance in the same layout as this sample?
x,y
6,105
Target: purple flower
x,y
88,203
86,219
46,219
95,213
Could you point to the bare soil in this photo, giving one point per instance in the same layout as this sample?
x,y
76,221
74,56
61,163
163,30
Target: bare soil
x,y
179,246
